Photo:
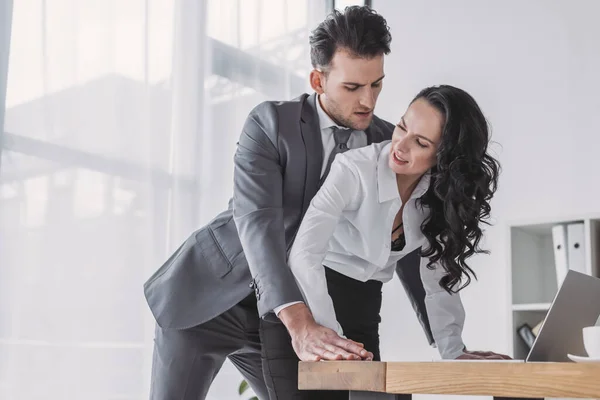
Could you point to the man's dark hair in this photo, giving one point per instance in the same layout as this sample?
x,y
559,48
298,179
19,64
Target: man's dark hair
x,y
359,29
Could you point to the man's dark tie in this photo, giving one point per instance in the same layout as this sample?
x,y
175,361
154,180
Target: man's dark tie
x,y
341,136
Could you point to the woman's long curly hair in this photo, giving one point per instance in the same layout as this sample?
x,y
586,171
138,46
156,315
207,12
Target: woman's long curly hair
x,y
462,184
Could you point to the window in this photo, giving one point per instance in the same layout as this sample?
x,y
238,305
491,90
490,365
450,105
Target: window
x,y
342,4
103,176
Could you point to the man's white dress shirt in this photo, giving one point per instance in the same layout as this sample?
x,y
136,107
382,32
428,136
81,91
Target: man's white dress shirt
x,y
348,228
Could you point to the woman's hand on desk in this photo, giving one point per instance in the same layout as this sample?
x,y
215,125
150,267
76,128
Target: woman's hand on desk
x,y
482,355
314,342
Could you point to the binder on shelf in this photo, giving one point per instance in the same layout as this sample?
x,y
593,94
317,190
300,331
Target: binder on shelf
x,y
526,335
559,241
576,247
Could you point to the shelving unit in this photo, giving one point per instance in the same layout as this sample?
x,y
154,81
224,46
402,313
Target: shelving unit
x,y
533,278
531,307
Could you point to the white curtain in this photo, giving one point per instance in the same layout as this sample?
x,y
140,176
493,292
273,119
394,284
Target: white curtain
x,y
119,132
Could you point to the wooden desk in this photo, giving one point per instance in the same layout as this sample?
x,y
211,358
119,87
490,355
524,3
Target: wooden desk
x,y
399,380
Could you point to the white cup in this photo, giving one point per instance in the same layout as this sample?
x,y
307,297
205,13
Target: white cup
x,y
591,341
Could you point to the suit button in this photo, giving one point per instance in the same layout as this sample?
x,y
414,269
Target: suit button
x,y
252,285
256,291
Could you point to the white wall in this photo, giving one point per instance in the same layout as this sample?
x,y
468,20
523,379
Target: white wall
x,y
534,68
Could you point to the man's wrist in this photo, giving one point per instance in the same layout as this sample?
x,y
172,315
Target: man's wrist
x,y
295,315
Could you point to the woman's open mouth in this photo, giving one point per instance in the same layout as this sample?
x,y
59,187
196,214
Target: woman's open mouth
x,y
399,160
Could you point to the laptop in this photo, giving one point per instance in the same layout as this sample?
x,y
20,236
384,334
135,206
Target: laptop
x,y
575,306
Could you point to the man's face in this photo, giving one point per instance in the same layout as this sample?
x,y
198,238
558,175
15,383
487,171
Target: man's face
x,y
349,88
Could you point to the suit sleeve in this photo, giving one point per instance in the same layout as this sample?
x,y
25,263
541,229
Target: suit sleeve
x,y
258,209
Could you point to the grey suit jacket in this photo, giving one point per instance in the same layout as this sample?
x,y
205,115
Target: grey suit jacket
x,y
277,169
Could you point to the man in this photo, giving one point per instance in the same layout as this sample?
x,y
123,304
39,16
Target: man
x,y
202,297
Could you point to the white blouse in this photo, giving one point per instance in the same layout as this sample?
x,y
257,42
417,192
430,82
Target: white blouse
x,y
348,227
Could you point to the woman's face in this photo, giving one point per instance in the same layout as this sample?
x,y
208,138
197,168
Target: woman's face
x,y
416,139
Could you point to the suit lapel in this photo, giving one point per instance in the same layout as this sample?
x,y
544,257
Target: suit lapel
x,y
311,134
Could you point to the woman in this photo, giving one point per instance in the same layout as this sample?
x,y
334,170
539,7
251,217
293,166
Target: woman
x,y
428,188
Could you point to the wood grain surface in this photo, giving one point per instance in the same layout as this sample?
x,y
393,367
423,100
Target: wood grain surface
x,y
341,375
464,377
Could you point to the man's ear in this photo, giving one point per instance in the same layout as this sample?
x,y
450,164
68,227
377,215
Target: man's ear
x,y
316,81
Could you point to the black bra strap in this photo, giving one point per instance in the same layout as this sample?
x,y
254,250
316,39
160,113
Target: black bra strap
x,y
398,227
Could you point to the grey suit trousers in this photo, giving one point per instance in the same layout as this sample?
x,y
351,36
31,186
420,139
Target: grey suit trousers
x,y
187,360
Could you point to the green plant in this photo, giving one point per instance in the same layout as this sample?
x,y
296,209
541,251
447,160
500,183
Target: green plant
x,y
243,388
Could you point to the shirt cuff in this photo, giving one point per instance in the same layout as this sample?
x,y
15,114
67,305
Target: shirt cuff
x,y
276,310
450,348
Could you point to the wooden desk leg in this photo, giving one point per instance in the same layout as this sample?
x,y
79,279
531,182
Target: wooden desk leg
x,y
355,395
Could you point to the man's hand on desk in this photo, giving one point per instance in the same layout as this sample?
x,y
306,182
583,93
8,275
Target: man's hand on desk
x,y
314,342
482,355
